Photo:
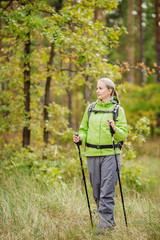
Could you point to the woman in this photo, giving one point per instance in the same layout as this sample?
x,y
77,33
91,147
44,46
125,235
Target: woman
x,y
94,131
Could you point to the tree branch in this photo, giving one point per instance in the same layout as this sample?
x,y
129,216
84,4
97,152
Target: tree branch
x,y
7,5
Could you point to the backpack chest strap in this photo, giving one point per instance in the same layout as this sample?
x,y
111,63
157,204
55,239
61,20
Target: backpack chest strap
x,y
100,111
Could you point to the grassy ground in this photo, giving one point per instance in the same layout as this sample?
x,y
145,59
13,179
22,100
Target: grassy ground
x,y
30,210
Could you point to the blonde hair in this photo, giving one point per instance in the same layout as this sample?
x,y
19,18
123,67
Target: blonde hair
x,y
110,85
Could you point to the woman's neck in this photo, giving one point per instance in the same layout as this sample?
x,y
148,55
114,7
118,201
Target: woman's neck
x,y
106,99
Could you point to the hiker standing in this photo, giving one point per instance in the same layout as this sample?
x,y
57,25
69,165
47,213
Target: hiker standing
x,y
94,132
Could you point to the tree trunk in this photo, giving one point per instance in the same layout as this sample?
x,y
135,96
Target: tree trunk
x,y
47,93
77,112
4,84
69,92
0,31
157,12
130,47
141,42
158,120
27,82
100,15
58,6
87,90
1,46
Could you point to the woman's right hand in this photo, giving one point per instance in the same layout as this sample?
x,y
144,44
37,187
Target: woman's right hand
x,y
76,139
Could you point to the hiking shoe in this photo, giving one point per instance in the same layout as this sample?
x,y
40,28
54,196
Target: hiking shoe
x,y
102,230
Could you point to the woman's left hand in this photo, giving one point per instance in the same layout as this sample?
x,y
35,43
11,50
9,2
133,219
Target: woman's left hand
x,y
112,124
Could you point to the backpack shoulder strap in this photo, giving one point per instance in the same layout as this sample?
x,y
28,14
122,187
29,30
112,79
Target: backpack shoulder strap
x,y
115,115
92,105
115,111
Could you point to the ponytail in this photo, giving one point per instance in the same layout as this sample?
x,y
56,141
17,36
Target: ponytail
x,y
114,93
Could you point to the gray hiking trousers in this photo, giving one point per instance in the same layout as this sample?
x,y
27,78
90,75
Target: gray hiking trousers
x,y
103,178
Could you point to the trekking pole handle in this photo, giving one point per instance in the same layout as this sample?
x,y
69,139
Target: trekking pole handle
x,y
78,143
111,128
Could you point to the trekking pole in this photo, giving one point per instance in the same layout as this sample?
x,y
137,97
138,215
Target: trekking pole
x,y
120,186
84,180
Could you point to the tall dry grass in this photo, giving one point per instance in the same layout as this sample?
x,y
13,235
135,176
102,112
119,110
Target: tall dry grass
x,y
31,210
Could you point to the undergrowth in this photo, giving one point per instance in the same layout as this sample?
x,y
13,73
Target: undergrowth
x,y
32,209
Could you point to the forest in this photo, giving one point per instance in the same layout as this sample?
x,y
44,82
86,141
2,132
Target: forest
x,y
52,53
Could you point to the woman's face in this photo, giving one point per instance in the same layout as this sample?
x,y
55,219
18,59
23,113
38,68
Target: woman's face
x,y
103,93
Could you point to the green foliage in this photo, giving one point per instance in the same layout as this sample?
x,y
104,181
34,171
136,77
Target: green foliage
x,y
132,173
140,130
51,164
132,176
78,41
141,101
81,48
57,123
59,161
129,18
